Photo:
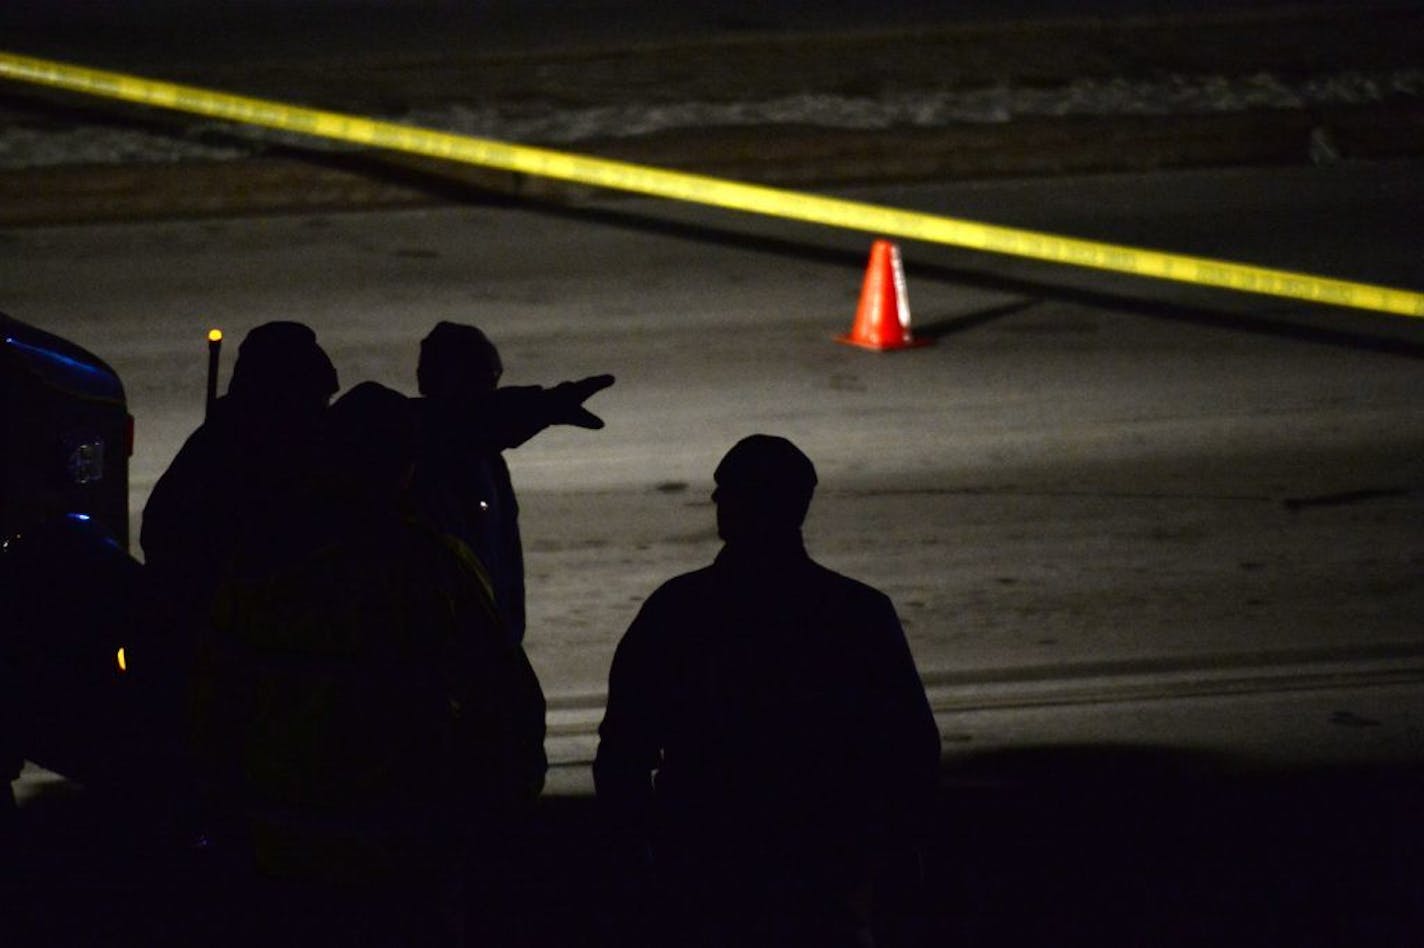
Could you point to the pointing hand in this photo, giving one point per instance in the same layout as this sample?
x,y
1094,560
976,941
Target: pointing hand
x,y
569,397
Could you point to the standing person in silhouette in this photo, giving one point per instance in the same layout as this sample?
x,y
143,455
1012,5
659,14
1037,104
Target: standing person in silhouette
x,y
359,707
256,446
767,735
462,482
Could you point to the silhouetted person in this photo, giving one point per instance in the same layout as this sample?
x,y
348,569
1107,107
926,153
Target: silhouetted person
x,y
462,482
767,734
359,706
256,446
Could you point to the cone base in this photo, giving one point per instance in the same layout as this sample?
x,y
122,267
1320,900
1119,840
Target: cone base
x,y
881,347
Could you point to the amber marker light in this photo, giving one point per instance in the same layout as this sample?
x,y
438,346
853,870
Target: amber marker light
x,y
214,348
122,660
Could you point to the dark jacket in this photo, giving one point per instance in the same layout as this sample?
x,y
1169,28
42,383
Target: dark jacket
x,y
359,698
462,482
243,461
766,711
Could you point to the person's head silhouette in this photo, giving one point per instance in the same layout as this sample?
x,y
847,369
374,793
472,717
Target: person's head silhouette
x,y
457,361
764,488
280,364
370,440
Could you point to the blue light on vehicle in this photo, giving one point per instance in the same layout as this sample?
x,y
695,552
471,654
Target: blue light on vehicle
x,y
53,356
82,375
93,528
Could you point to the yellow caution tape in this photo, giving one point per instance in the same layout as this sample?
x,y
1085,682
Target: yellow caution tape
x,y
714,192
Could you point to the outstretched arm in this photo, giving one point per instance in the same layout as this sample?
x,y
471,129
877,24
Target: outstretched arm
x,y
521,412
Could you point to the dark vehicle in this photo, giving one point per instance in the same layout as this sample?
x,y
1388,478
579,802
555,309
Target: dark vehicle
x,y
67,434
71,596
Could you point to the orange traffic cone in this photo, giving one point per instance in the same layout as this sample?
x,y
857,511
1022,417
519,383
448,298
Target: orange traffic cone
x,y
882,321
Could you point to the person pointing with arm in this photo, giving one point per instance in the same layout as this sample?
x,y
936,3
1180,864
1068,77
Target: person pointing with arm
x,y
462,483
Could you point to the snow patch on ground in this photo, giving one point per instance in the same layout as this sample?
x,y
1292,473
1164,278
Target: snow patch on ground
x,y
35,145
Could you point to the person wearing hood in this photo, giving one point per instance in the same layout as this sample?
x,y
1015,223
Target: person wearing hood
x,y
360,719
257,445
255,448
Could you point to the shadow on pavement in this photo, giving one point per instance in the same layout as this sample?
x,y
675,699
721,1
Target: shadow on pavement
x,y
1106,846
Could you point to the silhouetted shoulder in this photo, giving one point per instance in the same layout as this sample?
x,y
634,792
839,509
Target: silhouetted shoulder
x,y
848,589
786,594
699,581
678,595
